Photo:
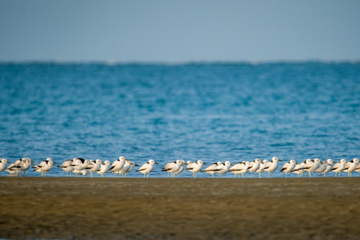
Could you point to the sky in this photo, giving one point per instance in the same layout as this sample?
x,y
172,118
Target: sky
x,y
179,30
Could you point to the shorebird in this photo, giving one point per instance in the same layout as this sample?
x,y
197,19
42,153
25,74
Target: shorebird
x,y
272,166
299,169
240,168
117,165
104,168
79,164
19,167
288,167
338,167
25,165
262,167
94,167
223,168
195,167
311,165
328,166
254,165
350,166
66,166
211,169
44,166
147,167
172,167
14,168
128,169
3,163
182,167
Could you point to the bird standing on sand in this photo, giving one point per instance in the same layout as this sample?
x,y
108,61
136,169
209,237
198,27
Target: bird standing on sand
x,y
126,170
172,167
182,167
104,168
223,168
254,165
147,167
262,166
288,167
117,165
3,163
328,166
66,166
312,165
195,167
212,168
94,167
272,165
44,166
240,168
350,166
338,167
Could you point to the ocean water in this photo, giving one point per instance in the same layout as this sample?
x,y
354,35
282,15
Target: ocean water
x,y
211,111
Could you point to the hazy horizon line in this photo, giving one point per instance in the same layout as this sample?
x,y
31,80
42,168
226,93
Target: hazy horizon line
x,y
115,62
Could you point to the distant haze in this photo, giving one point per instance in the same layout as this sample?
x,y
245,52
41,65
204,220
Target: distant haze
x,y
179,30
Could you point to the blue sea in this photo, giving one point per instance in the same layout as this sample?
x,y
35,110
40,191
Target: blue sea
x,y
209,111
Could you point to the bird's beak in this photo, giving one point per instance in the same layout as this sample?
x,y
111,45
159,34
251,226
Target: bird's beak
x,y
136,165
280,160
204,163
156,163
231,164
32,162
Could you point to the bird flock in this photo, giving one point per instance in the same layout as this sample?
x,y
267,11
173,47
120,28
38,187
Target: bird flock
x,y
122,166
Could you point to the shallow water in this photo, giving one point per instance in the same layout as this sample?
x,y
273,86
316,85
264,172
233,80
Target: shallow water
x,y
213,112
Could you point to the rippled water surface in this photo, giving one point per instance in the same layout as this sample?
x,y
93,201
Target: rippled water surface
x,y
213,112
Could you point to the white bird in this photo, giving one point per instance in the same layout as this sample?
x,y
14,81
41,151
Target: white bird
x,y
25,165
14,168
172,167
19,167
254,165
189,163
212,168
338,167
299,169
44,166
288,167
128,169
262,167
80,164
223,168
66,166
3,163
117,165
322,167
195,167
328,166
104,168
147,167
182,167
357,168
94,167
311,165
350,166
272,166
240,168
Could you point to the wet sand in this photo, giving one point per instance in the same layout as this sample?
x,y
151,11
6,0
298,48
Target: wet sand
x,y
84,208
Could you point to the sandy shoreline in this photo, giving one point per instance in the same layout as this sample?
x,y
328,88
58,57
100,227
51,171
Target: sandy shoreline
x,y
84,208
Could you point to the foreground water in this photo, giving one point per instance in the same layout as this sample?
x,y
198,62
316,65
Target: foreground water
x,y
213,112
